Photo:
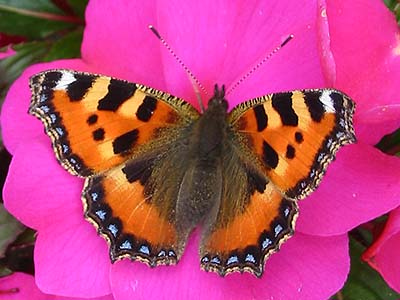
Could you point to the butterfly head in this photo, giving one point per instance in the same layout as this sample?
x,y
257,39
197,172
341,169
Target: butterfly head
x,y
218,99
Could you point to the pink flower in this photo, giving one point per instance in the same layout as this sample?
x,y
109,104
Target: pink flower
x,y
383,254
21,286
219,41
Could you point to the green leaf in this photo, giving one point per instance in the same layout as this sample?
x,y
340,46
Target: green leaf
x,y
19,256
69,46
79,7
33,19
5,160
364,282
37,5
12,67
390,143
394,6
4,271
10,228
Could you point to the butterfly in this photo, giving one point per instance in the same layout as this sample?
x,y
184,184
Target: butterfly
x,y
155,167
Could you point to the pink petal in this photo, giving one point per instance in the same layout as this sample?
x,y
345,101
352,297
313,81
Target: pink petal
x,y
372,125
118,41
367,57
108,297
383,254
307,267
214,51
27,289
9,52
328,62
25,285
361,184
38,191
16,124
222,51
70,260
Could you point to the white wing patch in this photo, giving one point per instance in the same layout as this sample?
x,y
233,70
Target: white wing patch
x,y
66,79
327,101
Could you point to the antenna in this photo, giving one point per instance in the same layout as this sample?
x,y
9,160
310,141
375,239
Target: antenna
x,y
259,64
195,82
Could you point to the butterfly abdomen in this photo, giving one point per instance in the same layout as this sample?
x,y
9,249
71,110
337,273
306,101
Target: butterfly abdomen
x,y
201,187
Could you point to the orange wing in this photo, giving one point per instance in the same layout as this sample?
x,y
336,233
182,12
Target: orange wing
x,y
295,135
97,122
117,203
251,235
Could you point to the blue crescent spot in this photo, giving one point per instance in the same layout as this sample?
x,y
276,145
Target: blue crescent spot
x,y
266,243
126,245
216,260
101,214
94,196
250,258
113,228
161,253
278,229
144,249
232,260
53,118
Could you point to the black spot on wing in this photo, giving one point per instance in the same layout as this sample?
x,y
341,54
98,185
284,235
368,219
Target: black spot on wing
x,y
299,137
261,117
98,134
92,119
282,103
77,89
145,110
118,92
270,156
125,142
314,105
290,152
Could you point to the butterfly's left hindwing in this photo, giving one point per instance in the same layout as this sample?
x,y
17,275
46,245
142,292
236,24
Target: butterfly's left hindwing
x,y
97,122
